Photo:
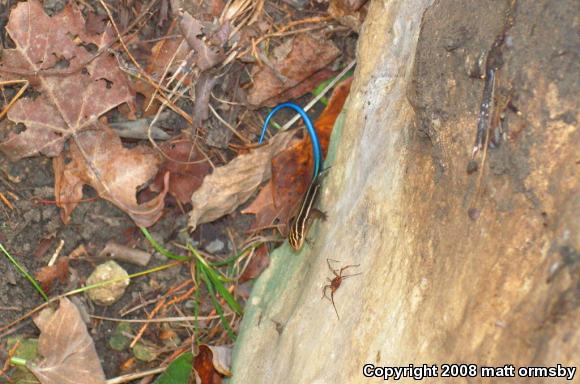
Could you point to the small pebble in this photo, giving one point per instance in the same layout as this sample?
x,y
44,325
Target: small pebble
x,y
215,246
473,213
109,293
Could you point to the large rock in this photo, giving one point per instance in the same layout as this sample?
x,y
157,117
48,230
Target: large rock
x,y
498,286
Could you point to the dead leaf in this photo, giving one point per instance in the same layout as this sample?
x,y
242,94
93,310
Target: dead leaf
x,y
162,53
350,13
43,246
203,89
47,275
234,183
115,172
69,105
66,104
277,201
264,209
69,353
306,57
211,363
207,55
348,5
291,170
186,174
260,261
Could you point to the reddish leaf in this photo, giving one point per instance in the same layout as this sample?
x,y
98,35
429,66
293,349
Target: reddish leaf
x,y
186,174
43,246
47,275
290,176
348,5
263,207
162,53
212,363
291,169
260,261
305,58
69,353
66,104
69,104
115,172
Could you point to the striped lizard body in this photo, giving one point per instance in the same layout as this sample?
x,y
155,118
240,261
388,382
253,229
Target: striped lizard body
x,y
299,227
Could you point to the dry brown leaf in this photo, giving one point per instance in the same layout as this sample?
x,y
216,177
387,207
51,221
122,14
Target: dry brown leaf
x,y
306,57
264,208
207,54
47,275
69,353
115,172
186,174
68,103
348,12
161,54
234,183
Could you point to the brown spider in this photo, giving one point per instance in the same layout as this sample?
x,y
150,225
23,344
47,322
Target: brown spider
x,y
336,282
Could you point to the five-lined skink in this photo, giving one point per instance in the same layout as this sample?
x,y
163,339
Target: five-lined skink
x,y
299,227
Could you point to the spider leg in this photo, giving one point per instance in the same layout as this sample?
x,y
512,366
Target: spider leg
x,y
332,299
330,267
324,291
348,266
354,274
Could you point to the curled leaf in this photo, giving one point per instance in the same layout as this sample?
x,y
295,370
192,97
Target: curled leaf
x,y
69,353
211,363
233,184
98,159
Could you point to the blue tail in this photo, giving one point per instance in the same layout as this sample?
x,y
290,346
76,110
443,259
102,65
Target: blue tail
x,y
309,126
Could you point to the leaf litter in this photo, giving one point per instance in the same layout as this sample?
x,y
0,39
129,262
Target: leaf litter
x,y
69,106
207,62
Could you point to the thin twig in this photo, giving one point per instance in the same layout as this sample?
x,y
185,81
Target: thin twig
x,y
228,125
159,319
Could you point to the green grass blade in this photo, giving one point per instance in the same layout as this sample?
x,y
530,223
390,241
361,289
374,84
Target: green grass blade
x,y
215,302
24,273
217,280
160,249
